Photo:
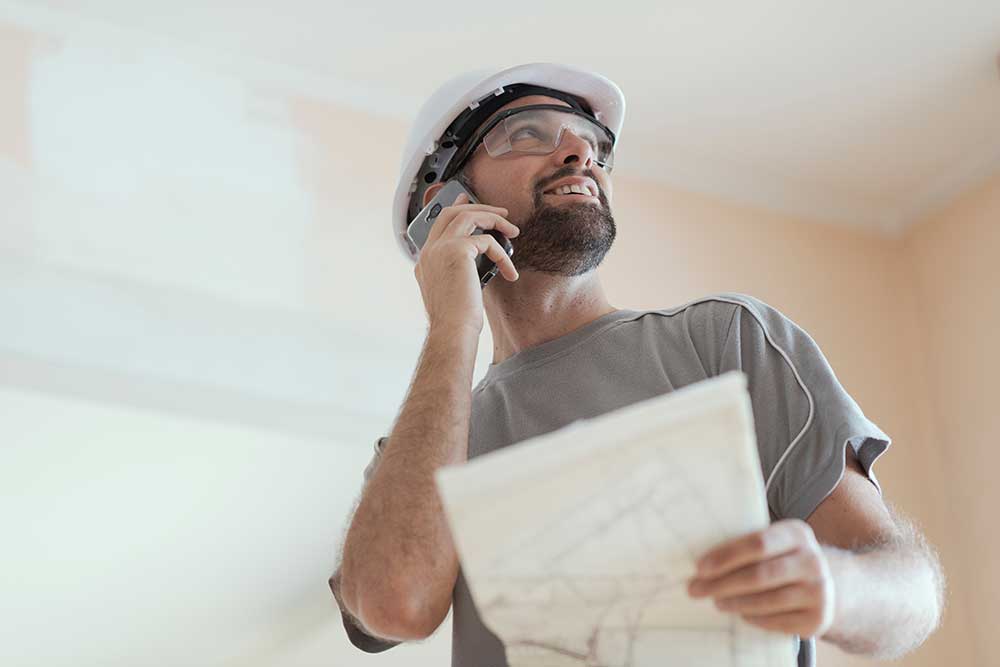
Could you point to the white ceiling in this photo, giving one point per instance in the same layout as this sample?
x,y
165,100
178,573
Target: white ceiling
x,y
872,113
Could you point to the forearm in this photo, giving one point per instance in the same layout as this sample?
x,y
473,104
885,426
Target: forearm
x,y
888,599
399,562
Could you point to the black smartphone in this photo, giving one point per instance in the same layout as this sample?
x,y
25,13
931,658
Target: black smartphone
x,y
420,227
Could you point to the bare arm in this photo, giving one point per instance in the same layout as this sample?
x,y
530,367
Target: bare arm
x,y
852,574
360,636
888,581
399,565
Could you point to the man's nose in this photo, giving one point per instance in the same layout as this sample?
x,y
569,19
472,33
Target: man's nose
x,y
572,148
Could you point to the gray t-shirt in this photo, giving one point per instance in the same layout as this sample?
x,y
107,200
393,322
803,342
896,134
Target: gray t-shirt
x,y
803,417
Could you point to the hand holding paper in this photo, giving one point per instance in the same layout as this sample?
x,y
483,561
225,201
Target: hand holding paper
x,y
578,545
777,579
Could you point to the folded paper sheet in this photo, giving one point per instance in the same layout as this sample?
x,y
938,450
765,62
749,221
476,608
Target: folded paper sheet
x,y
577,545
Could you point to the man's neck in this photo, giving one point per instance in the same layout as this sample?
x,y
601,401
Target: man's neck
x,y
538,308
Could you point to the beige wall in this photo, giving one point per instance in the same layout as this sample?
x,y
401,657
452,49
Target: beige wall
x,y
853,292
909,326
953,260
260,198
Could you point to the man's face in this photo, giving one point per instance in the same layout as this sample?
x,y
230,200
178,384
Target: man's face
x,y
560,234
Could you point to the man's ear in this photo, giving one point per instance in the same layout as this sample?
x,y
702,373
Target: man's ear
x,y
430,192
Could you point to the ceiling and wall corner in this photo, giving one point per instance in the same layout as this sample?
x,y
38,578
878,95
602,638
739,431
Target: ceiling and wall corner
x,y
873,117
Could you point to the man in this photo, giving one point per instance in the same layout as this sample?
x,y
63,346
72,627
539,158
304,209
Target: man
x,y
535,145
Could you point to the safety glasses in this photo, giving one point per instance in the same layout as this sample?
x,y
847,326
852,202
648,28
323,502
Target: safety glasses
x,y
538,130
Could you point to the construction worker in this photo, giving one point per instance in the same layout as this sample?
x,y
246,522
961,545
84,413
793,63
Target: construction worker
x,y
530,149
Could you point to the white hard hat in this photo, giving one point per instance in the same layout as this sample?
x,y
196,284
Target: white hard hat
x,y
473,96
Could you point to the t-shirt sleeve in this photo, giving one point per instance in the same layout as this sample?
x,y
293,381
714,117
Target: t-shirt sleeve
x,y
355,632
804,419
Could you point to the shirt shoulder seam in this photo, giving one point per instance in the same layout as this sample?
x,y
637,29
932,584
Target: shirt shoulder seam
x,y
663,312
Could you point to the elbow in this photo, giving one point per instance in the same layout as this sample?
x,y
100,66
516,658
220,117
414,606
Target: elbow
x,y
930,619
927,616
390,609
397,619
908,632
891,647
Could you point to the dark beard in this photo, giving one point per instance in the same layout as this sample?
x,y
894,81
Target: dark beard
x,y
566,240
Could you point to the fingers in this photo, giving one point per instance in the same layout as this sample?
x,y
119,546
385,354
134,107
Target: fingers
x,y
777,578
462,218
453,231
464,225
779,538
487,245
768,574
787,598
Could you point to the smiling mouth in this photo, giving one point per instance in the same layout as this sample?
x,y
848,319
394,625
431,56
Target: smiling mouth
x,y
586,189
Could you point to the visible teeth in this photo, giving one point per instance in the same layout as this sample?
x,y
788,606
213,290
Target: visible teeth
x,y
574,189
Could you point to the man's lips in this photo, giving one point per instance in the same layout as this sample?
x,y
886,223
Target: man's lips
x,y
571,196
582,182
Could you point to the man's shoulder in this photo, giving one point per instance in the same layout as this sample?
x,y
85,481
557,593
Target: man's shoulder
x,y
718,307
726,301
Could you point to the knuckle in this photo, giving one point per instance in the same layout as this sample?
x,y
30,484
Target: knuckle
x,y
791,594
758,542
451,253
782,596
486,220
813,566
818,589
774,569
479,222
758,574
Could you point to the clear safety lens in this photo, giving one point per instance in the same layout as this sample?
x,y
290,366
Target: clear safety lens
x,y
539,131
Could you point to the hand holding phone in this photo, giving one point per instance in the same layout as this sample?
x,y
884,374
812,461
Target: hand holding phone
x,y
451,239
420,227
